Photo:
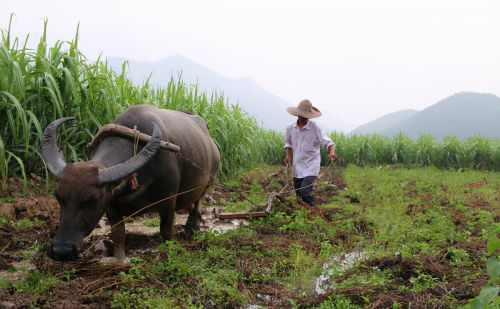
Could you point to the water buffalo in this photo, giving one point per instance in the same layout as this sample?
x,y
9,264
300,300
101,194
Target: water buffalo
x,y
103,185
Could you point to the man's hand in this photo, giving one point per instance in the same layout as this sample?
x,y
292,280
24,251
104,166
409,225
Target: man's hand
x,y
288,160
331,153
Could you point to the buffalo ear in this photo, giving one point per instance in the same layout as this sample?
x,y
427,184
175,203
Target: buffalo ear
x,y
120,188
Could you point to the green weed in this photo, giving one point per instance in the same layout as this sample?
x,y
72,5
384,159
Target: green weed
x,y
422,282
3,221
26,223
28,254
488,297
298,222
142,298
4,283
37,283
153,222
223,286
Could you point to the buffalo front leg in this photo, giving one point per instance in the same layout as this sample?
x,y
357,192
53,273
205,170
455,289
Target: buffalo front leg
x,y
167,220
117,235
194,220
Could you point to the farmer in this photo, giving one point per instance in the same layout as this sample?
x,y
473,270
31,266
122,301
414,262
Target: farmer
x,y
302,141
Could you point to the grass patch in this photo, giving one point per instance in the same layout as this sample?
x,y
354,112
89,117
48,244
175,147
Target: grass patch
x,y
37,283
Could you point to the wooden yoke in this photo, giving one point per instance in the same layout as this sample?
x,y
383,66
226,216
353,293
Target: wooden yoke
x,y
114,129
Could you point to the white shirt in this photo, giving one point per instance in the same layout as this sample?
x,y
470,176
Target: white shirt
x,y
305,144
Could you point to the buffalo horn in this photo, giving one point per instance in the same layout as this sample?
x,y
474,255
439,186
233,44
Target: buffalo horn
x,y
121,170
55,162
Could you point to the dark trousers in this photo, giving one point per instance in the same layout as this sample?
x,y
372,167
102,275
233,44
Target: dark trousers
x,y
303,188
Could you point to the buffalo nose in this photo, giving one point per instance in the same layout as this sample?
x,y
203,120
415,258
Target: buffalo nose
x,y
64,251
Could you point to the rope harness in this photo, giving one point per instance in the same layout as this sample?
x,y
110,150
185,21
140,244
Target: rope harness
x,y
134,183
136,139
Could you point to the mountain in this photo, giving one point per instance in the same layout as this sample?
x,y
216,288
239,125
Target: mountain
x,y
268,109
386,122
463,115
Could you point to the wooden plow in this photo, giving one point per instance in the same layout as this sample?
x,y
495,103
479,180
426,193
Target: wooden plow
x,y
257,214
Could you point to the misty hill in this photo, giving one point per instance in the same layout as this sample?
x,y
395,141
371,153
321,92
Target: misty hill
x,y
386,122
268,109
464,115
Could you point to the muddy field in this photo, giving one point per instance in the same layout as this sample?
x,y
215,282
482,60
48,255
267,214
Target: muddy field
x,y
377,238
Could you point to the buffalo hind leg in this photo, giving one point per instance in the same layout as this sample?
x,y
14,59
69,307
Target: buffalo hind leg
x,y
193,221
117,235
167,220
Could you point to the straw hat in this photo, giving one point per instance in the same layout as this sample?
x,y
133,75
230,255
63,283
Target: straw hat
x,y
304,109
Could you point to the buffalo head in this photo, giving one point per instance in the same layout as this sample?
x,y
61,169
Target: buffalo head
x,y
84,189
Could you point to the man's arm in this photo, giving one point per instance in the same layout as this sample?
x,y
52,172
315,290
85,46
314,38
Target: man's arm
x,y
327,143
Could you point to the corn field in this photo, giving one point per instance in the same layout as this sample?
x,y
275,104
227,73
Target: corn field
x,y
40,85
450,153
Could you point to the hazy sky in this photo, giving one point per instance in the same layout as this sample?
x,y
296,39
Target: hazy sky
x,y
358,59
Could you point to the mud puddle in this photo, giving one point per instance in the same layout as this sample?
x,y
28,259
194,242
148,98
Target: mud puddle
x,y
143,232
144,226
